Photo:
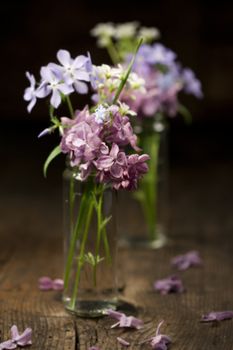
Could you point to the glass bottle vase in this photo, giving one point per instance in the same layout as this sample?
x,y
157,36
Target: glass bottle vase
x,y
90,246
147,207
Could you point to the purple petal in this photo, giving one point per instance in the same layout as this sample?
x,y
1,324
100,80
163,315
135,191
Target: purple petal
x,y
55,99
81,87
190,259
8,344
45,283
82,75
114,314
171,284
80,61
116,170
31,104
65,89
46,74
21,339
217,316
63,57
44,132
25,338
31,79
122,341
114,151
58,284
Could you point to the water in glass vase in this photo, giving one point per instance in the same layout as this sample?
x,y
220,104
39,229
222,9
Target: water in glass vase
x,y
147,208
90,247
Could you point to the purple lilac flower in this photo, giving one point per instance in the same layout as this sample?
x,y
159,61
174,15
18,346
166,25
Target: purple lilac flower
x,y
21,339
190,259
123,341
159,341
171,284
51,83
30,93
124,321
191,84
217,316
73,71
120,130
46,283
120,170
8,344
81,139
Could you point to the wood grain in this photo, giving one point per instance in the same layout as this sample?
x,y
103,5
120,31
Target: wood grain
x,y
31,246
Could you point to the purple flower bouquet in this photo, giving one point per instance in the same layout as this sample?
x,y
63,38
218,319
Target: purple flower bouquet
x,y
164,78
102,157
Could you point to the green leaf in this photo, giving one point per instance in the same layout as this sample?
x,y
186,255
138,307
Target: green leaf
x,y
185,114
55,152
105,222
124,80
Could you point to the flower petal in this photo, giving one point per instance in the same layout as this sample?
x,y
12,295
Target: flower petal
x,y
45,283
80,61
63,57
55,99
8,344
123,341
58,284
81,87
217,316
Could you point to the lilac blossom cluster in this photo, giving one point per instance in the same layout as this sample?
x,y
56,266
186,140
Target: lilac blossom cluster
x,y
164,79
95,137
95,145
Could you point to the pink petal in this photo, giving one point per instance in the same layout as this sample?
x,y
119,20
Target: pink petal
x,y
14,332
21,339
8,344
58,284
45,283
122,341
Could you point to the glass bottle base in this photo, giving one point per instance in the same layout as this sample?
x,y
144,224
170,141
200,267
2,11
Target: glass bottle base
x,y
90,308
144,242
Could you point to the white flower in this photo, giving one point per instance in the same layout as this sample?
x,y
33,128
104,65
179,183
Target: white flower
x,y
125,109
149,34
136,82
101,114
126,30
104,32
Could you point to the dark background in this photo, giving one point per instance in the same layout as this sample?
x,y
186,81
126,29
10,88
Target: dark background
x,y
200,32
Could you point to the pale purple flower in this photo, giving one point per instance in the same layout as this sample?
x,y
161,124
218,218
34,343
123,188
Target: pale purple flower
x,y
123,341
120,130
73,71
81,139
21,339
46,283
190,259
30,93
171,284
191,84
125,321
52,83
159,341
217,316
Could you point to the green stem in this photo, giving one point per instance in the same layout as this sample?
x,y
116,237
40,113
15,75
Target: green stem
x,y
99,221
125,78
112,51
71,201
90,205
106,246
74,238
71,110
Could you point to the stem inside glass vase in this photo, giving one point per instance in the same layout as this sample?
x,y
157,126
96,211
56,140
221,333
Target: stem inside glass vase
x,y
89,279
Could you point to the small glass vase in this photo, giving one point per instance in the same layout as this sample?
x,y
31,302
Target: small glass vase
x,y
90,245
147,207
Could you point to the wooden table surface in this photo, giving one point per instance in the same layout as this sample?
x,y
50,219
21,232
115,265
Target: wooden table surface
x,y
31,246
